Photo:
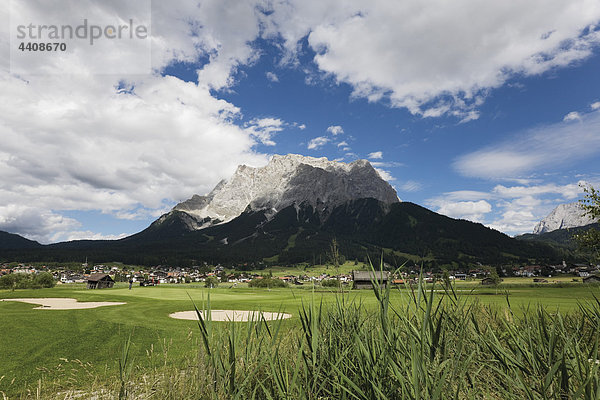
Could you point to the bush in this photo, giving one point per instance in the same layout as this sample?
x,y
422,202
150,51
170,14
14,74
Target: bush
x,y
45,280
336,283
266,282
8,281
25,281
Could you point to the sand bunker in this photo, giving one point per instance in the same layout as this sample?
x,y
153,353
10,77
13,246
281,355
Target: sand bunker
x,y
231,315
64,304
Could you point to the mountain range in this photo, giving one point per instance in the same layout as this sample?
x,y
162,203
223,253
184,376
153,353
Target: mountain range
x,y
289,211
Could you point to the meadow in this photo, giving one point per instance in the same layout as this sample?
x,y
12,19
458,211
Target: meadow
x,y
138,349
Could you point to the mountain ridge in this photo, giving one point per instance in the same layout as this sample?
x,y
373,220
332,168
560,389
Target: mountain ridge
x,y
286,180
564,216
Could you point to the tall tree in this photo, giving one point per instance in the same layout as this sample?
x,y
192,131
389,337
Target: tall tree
x,y
590,239
334,254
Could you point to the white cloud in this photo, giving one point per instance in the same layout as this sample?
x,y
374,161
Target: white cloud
x,y
466,195
595,106
435,58
411,186
123,143
272,76
264,129
33,222
302,127
513,209
515,221
572,116
84,235
317,142
91,148
535,149
385,175
470,210
387,164
335,130
471,115
568,192
376,155
342,144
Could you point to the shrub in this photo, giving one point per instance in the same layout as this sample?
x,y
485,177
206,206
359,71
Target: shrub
x,y
8,281
44,279
25,281
266,282
336,283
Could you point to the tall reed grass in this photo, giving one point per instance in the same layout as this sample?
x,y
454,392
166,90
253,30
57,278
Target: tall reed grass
x,y
427,345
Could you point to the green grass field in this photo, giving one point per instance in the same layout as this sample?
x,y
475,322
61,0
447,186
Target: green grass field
x,y
75,348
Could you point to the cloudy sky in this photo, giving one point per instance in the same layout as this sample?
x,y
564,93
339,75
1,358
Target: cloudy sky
x,y
488,111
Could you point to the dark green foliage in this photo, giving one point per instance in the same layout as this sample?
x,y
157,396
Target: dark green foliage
x,y
590,239
267,283
336,283
44,279
8,281
27,281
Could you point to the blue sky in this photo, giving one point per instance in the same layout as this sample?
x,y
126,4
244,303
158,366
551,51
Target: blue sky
x,y
493,118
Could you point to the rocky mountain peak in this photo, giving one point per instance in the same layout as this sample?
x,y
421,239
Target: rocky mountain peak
x,y
286,180
564,216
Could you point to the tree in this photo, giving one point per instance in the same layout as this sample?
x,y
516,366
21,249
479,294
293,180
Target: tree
x,y
493,275
591,202
334,253
8,281
211,282
590,239
446,277
45,280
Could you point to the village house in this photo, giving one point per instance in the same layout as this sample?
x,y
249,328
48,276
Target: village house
x,y
592,279
364,279
100,281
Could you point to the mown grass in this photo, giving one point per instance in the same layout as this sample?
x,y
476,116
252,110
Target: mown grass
x,y
363,344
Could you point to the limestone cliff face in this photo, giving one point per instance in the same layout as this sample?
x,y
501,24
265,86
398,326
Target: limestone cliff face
x,y
562,217
288,180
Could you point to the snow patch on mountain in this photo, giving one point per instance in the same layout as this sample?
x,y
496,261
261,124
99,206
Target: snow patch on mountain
x,y
564,216
290,180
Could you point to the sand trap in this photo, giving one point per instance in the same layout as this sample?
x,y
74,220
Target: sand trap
x,y
64,304
231,315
